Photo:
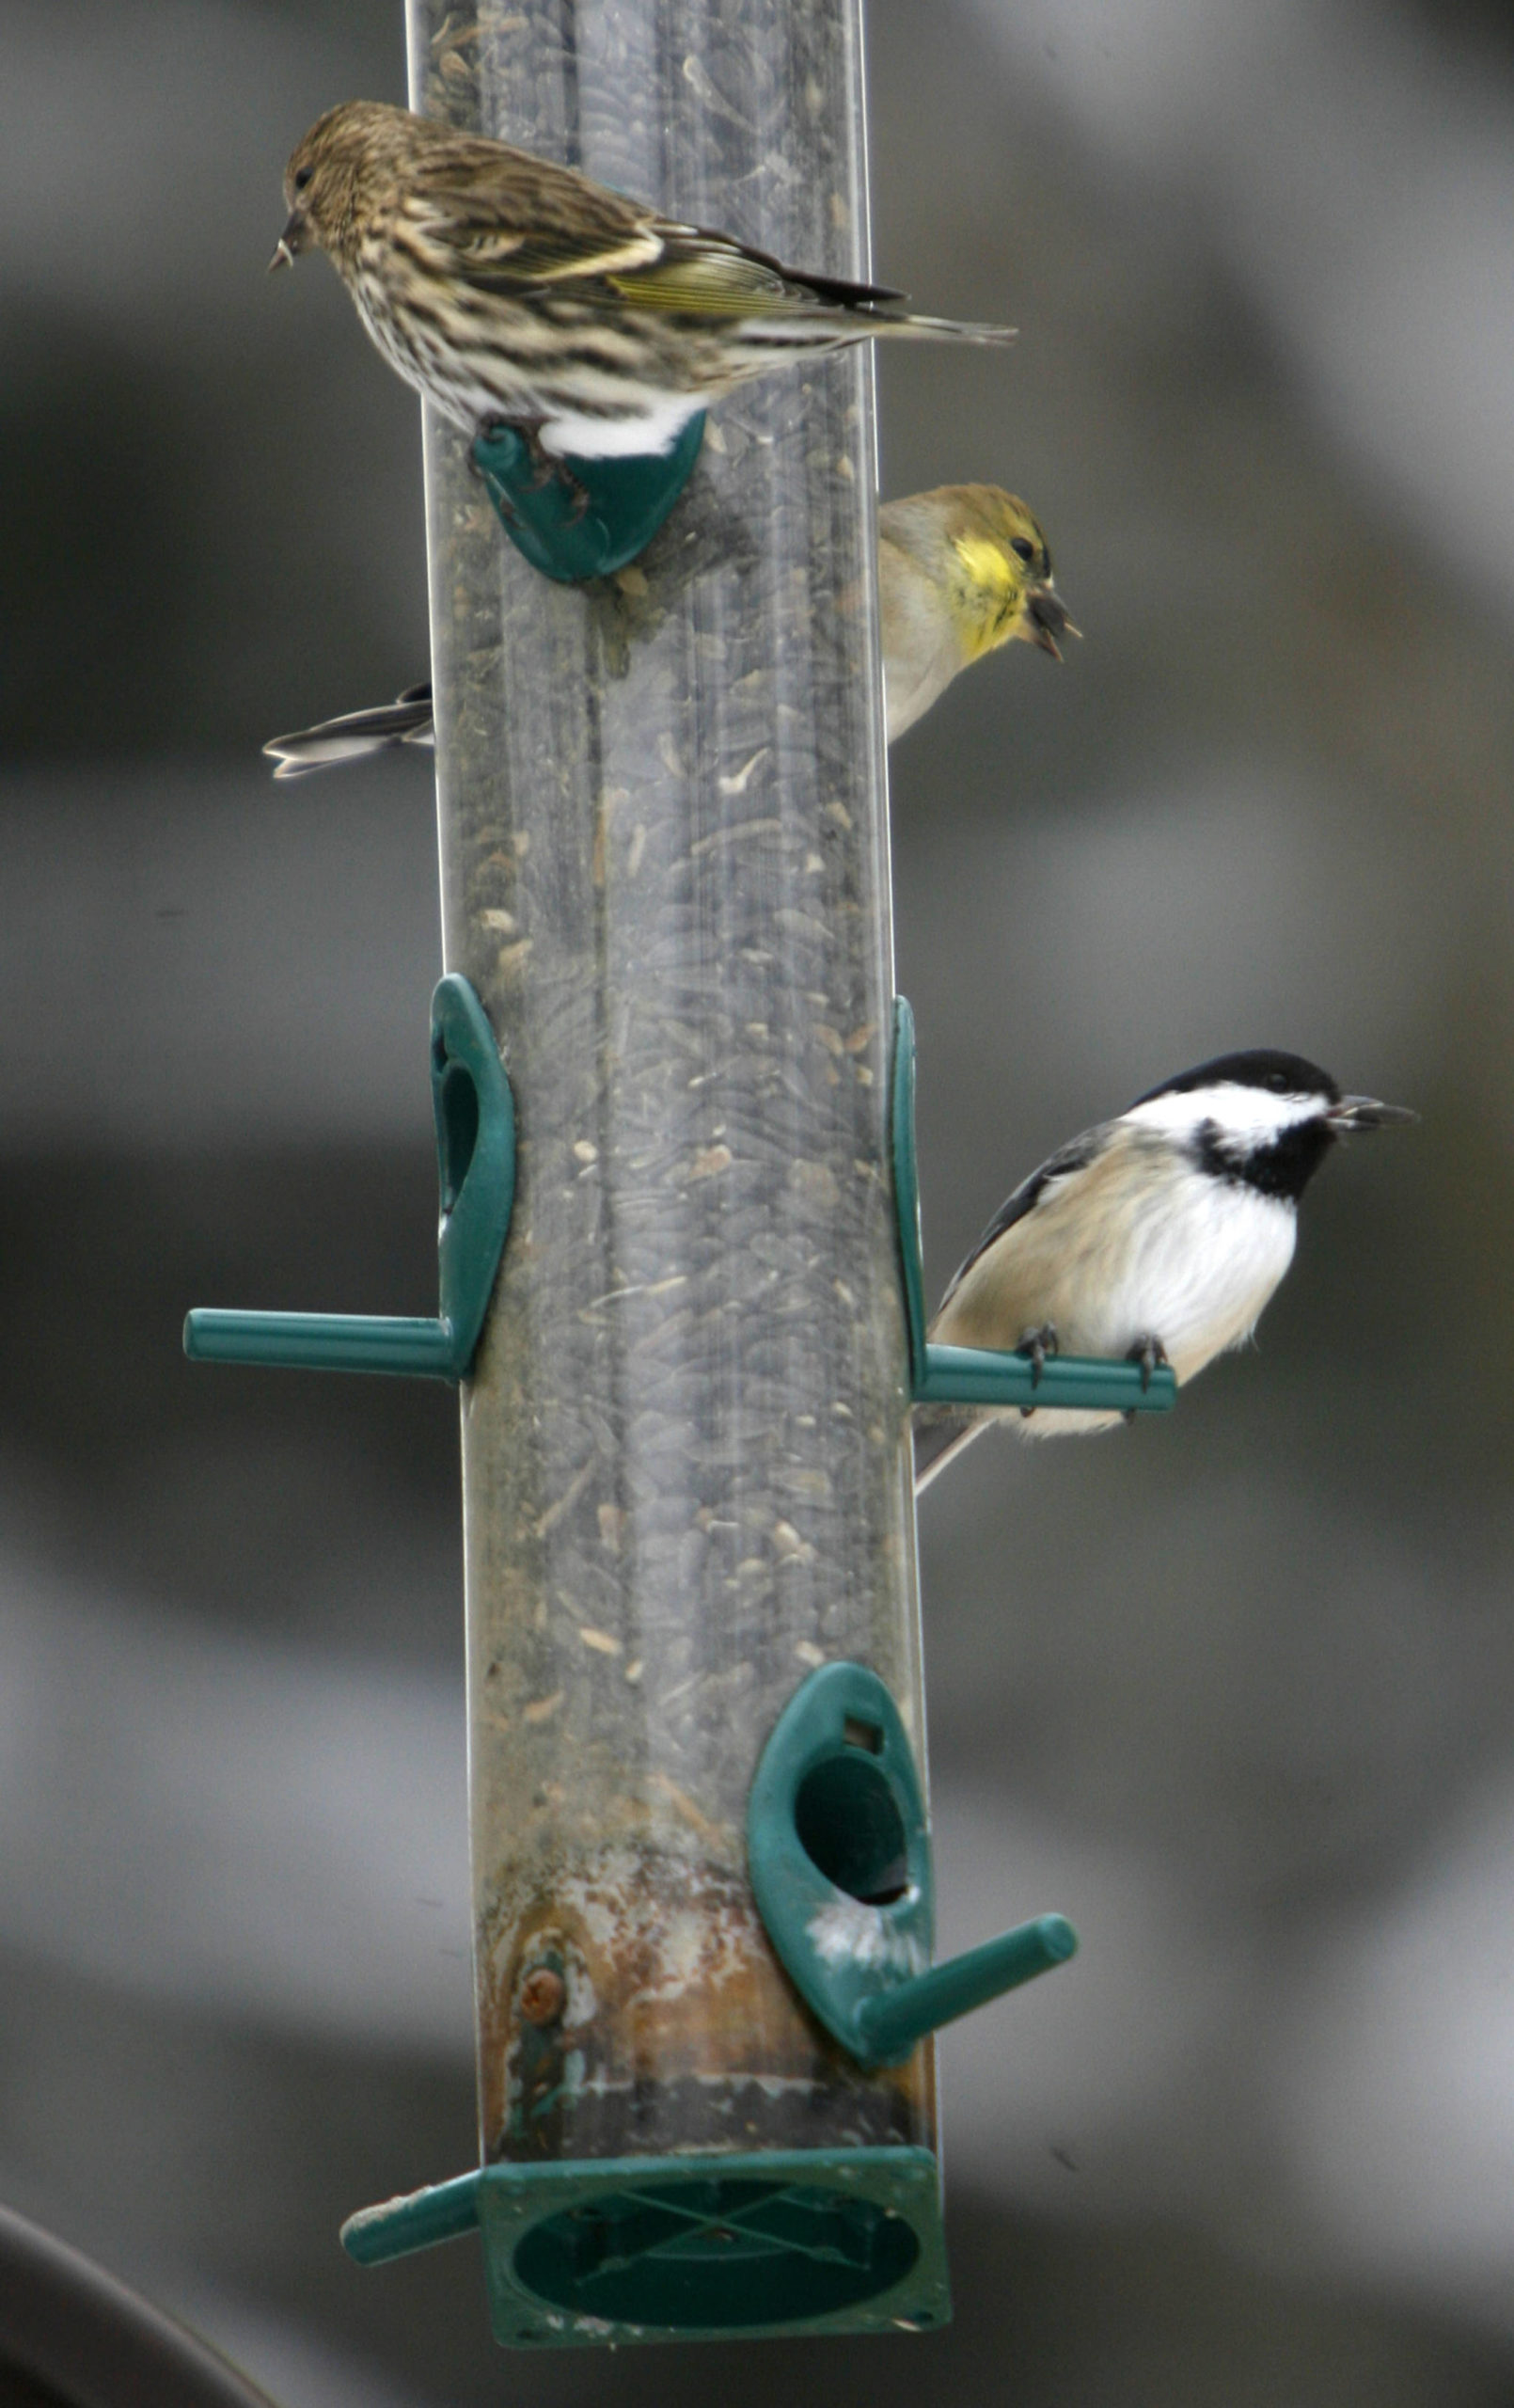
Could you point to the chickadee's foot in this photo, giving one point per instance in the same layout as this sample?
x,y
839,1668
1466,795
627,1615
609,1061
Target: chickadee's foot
x,y
1148,1352
1038,1344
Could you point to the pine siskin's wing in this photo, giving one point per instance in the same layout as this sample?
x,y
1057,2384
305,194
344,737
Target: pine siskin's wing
x,y
712,275
505,219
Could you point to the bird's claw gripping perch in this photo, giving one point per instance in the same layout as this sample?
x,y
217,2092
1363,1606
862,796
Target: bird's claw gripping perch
x,y
1148,1352
547,469
1038,1344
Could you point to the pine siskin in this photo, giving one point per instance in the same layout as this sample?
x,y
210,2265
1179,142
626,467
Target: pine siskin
x,y
505,287
961,570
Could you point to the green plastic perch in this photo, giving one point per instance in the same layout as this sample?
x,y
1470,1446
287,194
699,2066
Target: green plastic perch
x,y
977,1375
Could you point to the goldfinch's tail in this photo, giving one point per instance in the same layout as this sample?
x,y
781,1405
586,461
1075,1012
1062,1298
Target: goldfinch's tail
x,y
355,736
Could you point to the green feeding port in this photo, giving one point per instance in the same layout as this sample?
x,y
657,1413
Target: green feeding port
x,y
474,1112
848,1821
980,1376
838,1850
594,516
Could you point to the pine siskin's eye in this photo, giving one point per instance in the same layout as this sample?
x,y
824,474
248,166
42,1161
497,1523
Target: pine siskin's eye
x,y
302,177
1021,549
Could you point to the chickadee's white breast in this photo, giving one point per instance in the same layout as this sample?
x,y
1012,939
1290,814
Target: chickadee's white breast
x,y
1196,1272
1140,1242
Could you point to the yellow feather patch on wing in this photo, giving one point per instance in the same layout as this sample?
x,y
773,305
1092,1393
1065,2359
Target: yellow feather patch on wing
x,y
722,286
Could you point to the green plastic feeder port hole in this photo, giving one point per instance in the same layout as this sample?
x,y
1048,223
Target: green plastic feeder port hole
x,y
848,1825
839,1855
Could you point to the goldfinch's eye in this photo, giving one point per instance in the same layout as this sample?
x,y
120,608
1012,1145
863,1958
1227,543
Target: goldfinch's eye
x,y
1021,549
302,178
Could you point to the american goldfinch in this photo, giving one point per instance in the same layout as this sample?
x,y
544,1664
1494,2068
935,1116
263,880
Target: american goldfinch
x,y
508,288
1158,1235
961,571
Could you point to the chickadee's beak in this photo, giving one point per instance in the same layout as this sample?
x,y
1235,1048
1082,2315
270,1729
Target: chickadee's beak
x,y
1048,615
1364,1112
291,243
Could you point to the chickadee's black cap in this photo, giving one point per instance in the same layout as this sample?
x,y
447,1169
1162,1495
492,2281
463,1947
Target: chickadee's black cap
x,y
1275,1073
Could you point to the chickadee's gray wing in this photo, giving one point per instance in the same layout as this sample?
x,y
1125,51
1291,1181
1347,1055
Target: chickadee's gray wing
x,y
1075,1155
941,1431
356,734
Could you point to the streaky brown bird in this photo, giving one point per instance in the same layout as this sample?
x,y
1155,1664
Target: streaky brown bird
x,y
508,289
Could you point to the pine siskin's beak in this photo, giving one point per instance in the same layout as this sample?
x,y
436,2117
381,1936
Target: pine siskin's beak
x,y
291,243
1365,1112
1048,615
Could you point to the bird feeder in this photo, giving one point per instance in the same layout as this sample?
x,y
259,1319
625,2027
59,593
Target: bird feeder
x,y
680,1284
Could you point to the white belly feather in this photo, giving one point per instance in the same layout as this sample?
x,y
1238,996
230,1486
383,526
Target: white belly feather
x,y
1134,1246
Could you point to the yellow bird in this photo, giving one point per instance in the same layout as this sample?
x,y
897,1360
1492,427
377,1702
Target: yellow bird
x,y
961,570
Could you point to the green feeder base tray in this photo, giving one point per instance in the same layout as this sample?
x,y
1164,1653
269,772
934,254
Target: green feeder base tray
x,y
690,2249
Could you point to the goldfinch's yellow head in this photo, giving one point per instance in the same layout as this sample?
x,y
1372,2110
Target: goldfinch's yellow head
x,y
989,562
998,570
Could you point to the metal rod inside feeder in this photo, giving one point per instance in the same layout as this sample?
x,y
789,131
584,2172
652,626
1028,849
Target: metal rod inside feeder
x,y
664,870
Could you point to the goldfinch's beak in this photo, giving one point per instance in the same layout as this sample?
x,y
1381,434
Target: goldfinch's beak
x,y
1364,1112
291,243
1047,616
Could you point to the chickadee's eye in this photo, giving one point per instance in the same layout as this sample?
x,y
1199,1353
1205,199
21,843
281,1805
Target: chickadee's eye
x,y
1021,549
302,177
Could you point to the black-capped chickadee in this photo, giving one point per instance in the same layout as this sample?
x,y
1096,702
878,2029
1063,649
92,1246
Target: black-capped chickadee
x,y
1158,1237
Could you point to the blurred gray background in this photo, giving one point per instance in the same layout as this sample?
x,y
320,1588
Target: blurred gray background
x,y
1235,1690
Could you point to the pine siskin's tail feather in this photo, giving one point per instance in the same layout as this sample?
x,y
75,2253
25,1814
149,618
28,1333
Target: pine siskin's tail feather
x,y
355,736
899,321
940,1434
